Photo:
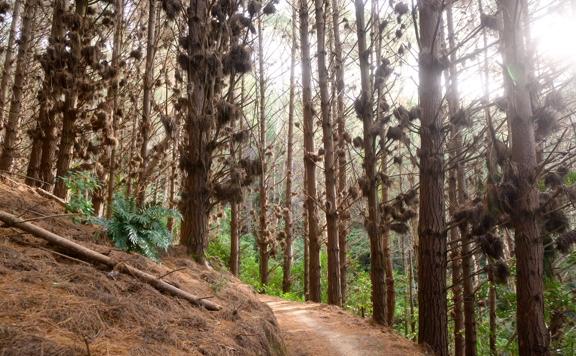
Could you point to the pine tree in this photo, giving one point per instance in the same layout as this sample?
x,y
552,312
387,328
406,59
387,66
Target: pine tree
x,y
432,303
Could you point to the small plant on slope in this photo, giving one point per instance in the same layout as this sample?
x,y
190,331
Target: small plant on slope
x,y
143,230
81,185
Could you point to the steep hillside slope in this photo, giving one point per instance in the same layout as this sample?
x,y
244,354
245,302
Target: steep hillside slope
x,y
56,304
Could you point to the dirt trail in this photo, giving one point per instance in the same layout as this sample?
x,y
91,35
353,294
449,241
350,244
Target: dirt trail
x,y
322,330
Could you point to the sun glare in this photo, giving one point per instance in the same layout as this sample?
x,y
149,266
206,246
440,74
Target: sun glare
x,y
553,36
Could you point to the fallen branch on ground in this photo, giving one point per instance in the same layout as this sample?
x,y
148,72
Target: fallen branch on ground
x,y
49,195
169,273
93,256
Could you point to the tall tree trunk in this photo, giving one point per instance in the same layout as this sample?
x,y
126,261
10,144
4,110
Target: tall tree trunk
x,y
196,202
455,257
305,236
173,179
341,149
492,167
8,60
235,218
532,333
195,193
412,321
68,135
377,266
46,122
407,315
113,97
492,313
32,173
65,147
287,263
22,61
146,123
263,229
384,230
390,292
468,295
105,176
412,251
309,164
456,196
331,209
235,207
234,264
131,153
432,261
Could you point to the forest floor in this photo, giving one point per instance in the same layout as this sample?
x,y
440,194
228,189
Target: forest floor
x,y
323,330
54,304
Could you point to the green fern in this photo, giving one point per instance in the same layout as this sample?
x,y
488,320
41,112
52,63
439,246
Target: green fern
x,y
143,230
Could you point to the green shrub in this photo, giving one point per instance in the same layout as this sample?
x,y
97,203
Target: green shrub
x,y
81,185
143,230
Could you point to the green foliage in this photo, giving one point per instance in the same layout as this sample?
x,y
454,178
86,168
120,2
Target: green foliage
x,y
559,297
570,178
81,185
560,300
359,292
219,254
506,342
143,230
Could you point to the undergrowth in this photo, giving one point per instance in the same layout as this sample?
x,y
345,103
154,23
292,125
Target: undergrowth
x,y
358,295
81,185
142,230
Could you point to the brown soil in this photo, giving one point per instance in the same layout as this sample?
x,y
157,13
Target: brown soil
x,y
322,330
54,304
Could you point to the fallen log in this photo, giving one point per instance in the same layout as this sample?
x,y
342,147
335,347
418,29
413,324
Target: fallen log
x,y
93,256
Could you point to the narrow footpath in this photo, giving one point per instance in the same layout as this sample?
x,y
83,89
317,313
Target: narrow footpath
x,y
323,330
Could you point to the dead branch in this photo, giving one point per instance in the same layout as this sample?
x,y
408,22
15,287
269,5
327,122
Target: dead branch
x,y
93,256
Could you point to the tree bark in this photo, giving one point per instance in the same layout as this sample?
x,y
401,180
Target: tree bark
x,y
390,292
32,171
263,230
457,196
331,208
195,193
235,207
432,262
173,179
455,256
46,122
8,60
234,264
106,176
343,220
385,231
22,61
492,167
306,247
287,261
68,135
492,314
113,97
309,164
377,263
148,91
531,328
